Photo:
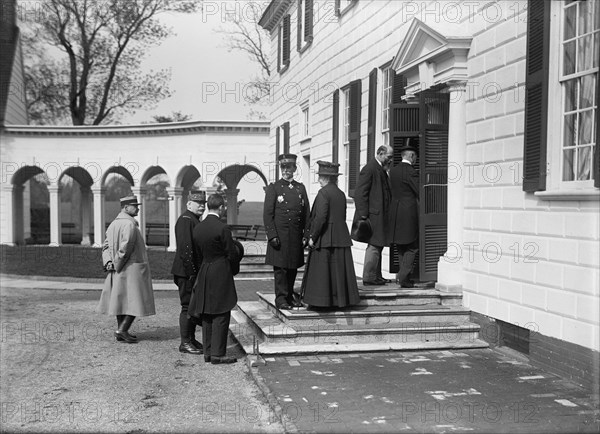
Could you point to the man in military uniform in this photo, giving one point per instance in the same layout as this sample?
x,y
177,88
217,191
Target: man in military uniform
x,y
286,214
185,268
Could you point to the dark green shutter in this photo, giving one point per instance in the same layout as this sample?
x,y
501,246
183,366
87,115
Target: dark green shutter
x,y
299,26
335,136
596,172
286,137
354,139
308,21
286,41
536,96
372,120
277,151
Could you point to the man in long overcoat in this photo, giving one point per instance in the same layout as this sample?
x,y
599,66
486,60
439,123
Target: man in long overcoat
x,y
372,200
127,291
286,214
404,213
185,268
214,293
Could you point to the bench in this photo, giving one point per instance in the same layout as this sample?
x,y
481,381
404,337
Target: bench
x,y
159,231
248,232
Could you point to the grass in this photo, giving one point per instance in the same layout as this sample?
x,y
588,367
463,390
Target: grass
x,y
72,261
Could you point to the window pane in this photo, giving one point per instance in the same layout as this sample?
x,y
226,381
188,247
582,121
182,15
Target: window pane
x,y
569,60
569,130
585,18
585,56
571,95
587,90
570,14
585,127
584,163
568,164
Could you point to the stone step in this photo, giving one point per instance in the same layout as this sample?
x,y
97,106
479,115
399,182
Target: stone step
x,y
367,314
258,326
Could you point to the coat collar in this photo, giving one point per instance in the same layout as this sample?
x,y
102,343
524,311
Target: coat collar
x,y
124,216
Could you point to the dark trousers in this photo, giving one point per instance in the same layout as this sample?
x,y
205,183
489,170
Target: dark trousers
x,y
284,285
187,326
406,259
372,266
215,328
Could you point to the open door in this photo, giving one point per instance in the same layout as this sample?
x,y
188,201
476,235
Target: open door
x,y
433,180
426,124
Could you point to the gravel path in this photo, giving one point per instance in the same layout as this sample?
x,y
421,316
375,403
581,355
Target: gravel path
x,y
61,370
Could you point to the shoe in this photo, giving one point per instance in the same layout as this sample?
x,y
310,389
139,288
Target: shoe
x,y
206,359
382,281
296,303
120,339
371,283
407,284
125,337
197,344
284,306
222,360
188,347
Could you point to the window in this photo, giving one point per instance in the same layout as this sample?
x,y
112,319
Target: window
x,y
561,103
342,6
346,126
580,45
283,45
305,24
304,121
386,99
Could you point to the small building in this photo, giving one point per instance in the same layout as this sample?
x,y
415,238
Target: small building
x,y
502,100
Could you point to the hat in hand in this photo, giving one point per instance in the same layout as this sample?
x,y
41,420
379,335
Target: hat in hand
x,y
361,231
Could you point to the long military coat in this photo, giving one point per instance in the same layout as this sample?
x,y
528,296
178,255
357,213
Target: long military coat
x,y
214,291
404,209
127,290
184,263
372,199
286,214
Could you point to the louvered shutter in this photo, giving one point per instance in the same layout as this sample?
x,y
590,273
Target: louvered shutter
x,y
372,120
398,86
286,137
536,96
308,21
354,139
286,41
596,171
277,151
335,136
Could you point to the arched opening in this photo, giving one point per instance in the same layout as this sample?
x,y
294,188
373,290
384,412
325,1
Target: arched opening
x,y
76,206
245,185
118,182
156,183
31,206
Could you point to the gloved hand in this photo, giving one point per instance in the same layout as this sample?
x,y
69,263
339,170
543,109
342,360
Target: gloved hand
x,y
275,243
109,267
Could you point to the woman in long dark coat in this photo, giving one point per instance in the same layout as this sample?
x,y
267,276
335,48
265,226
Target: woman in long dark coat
x,y
329,279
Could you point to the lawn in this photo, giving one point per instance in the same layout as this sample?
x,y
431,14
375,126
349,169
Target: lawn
x,y
71,261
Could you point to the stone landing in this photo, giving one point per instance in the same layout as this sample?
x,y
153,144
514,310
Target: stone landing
x,y
387,318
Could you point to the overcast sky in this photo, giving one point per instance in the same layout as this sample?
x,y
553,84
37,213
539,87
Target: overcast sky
x,y
207,81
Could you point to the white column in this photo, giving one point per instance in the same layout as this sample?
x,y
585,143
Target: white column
x,y
12,214
26,210
175,194
86,215
232,205
140,192
451,265
99,219
55,215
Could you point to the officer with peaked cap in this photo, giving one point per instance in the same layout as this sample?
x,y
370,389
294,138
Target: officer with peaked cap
x,y
185,268
286,214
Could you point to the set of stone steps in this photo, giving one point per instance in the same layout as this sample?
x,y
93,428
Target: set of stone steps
x,y
387,318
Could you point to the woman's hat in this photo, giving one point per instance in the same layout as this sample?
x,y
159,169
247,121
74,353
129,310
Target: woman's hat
x,y
327,168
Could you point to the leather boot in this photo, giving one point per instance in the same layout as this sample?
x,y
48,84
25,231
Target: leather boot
x,y
123,331
120,319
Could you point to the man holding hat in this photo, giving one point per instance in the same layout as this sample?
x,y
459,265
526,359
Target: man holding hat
x,y
286,213
185,268
127,291
404,212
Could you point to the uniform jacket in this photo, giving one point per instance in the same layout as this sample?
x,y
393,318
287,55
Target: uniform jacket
x,y
214,291
328,226
404,209
372,199
128,290
286,214
185,260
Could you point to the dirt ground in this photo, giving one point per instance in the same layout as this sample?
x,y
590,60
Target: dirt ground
x,y
62,371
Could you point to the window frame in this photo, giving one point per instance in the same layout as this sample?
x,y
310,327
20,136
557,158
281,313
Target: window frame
x,y
386,72
341,9
304,121
557,188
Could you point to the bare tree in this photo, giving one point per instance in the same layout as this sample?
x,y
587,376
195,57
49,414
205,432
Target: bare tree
x,y
101,44
243,33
